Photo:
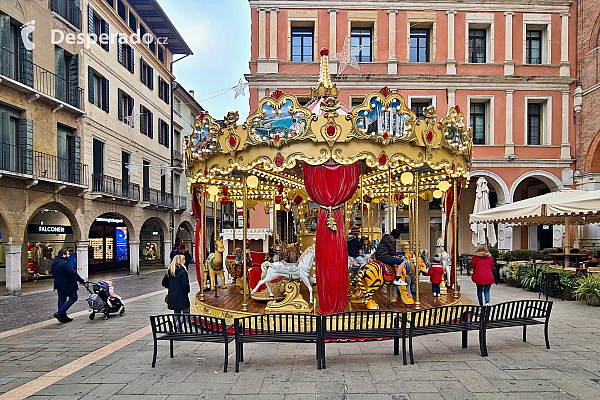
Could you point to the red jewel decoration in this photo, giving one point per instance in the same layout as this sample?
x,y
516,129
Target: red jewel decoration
x,y
277,138
232,141
225,191
324,51
364,206
457,108
298,199
385,136
205,171
280,188
382,159
277,94
278,199
279,161
386,91
429,136
224,200
330,130
453,167
201,115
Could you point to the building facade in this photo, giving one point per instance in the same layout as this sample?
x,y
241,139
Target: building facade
x,y
87,160
510,65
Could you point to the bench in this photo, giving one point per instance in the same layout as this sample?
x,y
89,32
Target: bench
x,y
516,313
190,328
372,324
289,328
446,319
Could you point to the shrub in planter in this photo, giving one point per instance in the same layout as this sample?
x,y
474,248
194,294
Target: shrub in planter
x,y
569,282
589,289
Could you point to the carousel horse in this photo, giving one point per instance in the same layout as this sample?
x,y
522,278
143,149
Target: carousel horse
x,y
373,275
301,271
214,265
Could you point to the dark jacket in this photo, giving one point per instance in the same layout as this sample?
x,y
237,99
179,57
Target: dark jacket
x,y
188,258
65,277
354,245
386,248
179,288
174,252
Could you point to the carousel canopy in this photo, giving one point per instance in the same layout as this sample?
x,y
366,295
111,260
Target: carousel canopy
x,y
551,208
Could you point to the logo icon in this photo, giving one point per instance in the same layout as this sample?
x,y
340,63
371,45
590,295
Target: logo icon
x,y
26,35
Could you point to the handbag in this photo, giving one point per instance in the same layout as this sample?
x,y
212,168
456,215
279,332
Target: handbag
x,y
167,298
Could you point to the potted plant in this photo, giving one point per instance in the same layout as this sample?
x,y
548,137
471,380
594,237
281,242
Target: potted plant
x,y
569,282
509,273
589,289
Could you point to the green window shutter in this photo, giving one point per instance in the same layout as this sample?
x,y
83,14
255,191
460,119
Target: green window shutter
x,y
166,134
167,93
143,120
60,84
150,125
25,62
5,35
76,15
160,88
142,71
74,80
121,112
91,83
26,141
160,139
76,157
150,78
105,29
131,60
63,157
131,104
7,151
91,29
119,50
105,94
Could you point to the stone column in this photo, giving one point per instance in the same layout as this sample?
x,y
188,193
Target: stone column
x,y
565,66
451,97
83,259
12,253
332,39
510,145
262,34
134,257
509,64
392,62
273,35
565,146
166,252
451,62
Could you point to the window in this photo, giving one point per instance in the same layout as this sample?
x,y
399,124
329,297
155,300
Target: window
x,y
163,184
125,54
67,76
98,89
302,43
121,10
161,54
163,133
533,47
478,122
418,107
534,123
126,106
111,3
146,125
132,22
99,28
356,101
477,45
361,37
146,74
177,107
125,157
419,45
163,90
146,180
98,157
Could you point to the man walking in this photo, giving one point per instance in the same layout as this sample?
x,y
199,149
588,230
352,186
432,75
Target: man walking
x,y
65,283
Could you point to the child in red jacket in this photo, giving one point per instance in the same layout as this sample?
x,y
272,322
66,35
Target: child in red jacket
x,y
436,272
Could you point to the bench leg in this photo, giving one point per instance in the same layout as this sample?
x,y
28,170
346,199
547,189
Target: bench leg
x,y
546,336
171,347
410,350
404,350
396,346
238,354
226,356
154,355
524,333
323,365
242,352
481,351
464,339
484,343
318,348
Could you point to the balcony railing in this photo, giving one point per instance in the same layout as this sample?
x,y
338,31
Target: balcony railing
x,y
158,197
115,187
19,159
18,68
180,202
67,10
177,156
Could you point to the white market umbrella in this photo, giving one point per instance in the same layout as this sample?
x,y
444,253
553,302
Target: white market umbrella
x,y
482,233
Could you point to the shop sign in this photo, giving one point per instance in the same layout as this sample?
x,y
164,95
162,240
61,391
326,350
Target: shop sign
x,y
50,229
110,220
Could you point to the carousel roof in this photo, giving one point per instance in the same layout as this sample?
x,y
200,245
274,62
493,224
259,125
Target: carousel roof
x,y
382,134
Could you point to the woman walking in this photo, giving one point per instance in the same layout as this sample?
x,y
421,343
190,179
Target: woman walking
x,y
482,264
177,281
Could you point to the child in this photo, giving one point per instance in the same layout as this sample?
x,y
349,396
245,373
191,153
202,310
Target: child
x,y
111,293
435,271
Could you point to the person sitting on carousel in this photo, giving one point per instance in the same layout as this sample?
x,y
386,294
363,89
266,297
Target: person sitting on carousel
x,y
386,253
356,258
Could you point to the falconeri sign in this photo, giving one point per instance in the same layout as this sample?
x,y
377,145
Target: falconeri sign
x,y
50,229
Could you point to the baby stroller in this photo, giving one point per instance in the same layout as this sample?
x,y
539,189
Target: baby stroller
x,y
102,301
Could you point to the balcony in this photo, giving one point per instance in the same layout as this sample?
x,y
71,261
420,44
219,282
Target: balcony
x,y
180,203
20,162
107,186
67,11
158,198
39,83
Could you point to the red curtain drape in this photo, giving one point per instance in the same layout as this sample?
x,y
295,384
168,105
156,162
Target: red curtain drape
x,y
331,186
196,209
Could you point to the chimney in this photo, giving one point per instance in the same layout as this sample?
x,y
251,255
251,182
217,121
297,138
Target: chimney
x,y
192,92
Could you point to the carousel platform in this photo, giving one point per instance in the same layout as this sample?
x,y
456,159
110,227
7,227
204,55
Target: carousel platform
x,y
228,302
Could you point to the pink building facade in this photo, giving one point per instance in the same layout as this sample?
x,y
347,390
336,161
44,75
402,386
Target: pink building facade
x,y
510,65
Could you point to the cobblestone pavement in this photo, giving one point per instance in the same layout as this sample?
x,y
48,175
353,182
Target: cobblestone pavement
x,y
443,370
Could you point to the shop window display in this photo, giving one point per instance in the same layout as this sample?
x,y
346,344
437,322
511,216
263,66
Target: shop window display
x,y
108,244
151,244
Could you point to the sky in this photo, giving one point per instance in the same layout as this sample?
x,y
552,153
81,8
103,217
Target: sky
x,y
218,32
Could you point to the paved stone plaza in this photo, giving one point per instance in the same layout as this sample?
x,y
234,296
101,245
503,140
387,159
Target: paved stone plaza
x,y
111,360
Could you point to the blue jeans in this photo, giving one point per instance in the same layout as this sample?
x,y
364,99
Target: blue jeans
x,y
435,288
485,290
64,304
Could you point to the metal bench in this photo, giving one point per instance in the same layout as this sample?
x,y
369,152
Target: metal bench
x,y
516,313
290,328
189,328
373,324
459,318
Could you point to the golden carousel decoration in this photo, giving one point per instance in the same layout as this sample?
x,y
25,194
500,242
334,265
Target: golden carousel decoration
x,y
323,160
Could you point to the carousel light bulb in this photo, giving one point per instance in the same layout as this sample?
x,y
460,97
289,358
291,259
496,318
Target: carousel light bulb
x,y
444,186
213,190
239,203
406,200
407,178
437,194
252,181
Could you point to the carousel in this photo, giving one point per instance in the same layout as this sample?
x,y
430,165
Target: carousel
x,y
336,169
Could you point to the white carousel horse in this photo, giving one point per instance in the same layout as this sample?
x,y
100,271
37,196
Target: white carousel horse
x,y
445,259
301,271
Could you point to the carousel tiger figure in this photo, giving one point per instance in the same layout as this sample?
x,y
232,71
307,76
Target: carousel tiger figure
x,y
373,275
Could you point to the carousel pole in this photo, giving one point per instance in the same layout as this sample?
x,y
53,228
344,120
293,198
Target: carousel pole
x,y
362,200
454,238
214,200
417,247
245,235
390,212
203,248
